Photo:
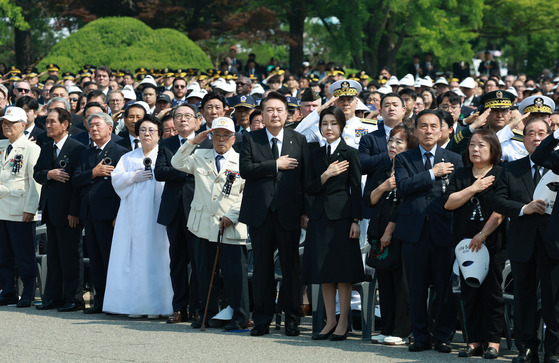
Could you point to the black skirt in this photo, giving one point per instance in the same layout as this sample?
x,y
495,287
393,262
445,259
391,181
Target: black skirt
x,y
330,255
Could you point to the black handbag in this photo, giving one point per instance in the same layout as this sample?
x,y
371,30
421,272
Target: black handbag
x,y
389,259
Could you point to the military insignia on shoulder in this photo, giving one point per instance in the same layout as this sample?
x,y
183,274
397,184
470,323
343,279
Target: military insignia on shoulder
x,y
369,121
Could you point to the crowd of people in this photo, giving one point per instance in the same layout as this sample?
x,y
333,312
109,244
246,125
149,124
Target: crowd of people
x,y
171,172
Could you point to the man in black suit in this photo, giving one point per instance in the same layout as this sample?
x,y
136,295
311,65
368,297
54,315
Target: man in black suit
x,y
275,208
84,137
213,106
60,206
424,228
99,202
533,244
132,114
174,211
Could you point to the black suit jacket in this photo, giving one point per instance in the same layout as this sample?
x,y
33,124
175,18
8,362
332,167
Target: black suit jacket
x,y
179,186
422,198
58,200
125,140
97,194
340,196
373,150
258,167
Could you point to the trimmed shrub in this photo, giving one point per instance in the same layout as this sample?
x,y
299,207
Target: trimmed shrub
x,y
125,43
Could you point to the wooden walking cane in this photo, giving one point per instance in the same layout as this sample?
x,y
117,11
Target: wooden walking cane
x,y
219,238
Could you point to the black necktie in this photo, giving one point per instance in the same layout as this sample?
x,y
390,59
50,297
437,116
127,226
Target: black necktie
x,y
218,159
91,144
275,150
54,155
26,132
329,150
8,151
537,175
428,165
136,142
183,141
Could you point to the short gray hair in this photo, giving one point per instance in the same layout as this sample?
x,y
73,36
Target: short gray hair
x,y
115,91
105,117
60,99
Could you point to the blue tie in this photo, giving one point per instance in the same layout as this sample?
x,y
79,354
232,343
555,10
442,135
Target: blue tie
x,y
428,165
217,161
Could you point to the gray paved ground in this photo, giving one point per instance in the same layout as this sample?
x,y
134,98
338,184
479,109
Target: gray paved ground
x,y
28,335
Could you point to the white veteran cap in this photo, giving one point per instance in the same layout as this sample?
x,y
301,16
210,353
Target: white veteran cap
x,y
15,114
468,82
537,104
223,123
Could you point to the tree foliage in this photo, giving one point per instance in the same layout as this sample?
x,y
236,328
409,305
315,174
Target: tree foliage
x,y
126,43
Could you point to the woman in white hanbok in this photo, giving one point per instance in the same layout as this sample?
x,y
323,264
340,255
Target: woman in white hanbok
x,y
138,278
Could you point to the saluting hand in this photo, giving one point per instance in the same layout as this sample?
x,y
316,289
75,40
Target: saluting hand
x,y
200,137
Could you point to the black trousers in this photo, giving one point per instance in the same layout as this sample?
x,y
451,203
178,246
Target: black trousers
x,y
484,306
99,240
64,264
394,302
428,264
232,262
181,252
17,252
526,275
265,240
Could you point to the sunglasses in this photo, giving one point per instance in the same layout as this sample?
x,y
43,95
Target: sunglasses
x,y
73,99
179,86
23,90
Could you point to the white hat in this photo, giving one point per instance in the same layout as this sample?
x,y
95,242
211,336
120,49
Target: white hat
x,y
4,90
128,93
407,81
15,114
223,123
74,89
538,104
197,93
384,89
306,64
361,106
468,82
393,81
345,88
513,91
441,80
473,265
225,86
501,83
458,92
257,89
417,83
426,82
194,86
149,80
143,104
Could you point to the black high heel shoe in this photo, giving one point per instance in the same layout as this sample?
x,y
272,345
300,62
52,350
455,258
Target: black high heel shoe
x,y
318,336
337,338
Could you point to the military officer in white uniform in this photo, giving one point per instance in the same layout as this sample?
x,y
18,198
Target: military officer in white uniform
x,y
216,206
345,97
19,200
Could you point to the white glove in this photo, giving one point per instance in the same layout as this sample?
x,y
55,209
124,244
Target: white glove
x,y
141,175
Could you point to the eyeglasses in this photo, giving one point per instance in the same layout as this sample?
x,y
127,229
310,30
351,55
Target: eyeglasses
x,y
447,107
23,90
73,99
150,131
187,117
179,86
221,136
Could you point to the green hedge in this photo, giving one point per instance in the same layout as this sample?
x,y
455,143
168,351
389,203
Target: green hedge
x,y
121,42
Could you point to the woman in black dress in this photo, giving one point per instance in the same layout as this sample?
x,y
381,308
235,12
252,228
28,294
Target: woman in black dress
x,y
469,196
381,194
332,253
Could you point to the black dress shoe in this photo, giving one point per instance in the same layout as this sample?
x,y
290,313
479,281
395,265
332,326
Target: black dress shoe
x,y
442,347
527,356
319,336
24,303
48,305
8,300
71,307
337,338
95,309
491,353
260,330
550,359
292,329
233,325
419,347
470,352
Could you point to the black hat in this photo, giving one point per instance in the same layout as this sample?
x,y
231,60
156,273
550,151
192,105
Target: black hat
x,y
163,97
53,68
309,95
497,99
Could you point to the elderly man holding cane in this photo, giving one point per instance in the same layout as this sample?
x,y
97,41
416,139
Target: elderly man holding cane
x,y
215,207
